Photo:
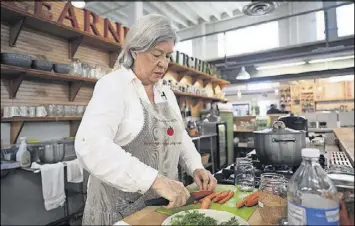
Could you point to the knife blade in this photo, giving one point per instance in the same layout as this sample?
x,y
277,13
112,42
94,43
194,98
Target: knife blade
x,y
194,196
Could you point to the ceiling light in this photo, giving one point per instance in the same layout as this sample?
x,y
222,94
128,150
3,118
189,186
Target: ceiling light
x,y
268,67
243,74
330,59
78,4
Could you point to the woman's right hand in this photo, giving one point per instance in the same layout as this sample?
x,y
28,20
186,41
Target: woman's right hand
x,y
172,190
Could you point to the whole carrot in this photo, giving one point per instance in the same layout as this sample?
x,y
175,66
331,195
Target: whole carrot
x,y
229,196
211,196
221,196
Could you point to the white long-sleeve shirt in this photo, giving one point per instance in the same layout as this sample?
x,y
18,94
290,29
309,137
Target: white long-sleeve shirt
x,y
113,118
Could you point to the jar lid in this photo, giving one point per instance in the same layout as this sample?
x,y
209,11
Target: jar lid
x,y
310,152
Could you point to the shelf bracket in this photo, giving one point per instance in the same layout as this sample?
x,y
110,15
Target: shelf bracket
x,y
112,59
14,85
15,130
74,45
179,77
74,125
195,102
205,82
15,30
194,80
74,88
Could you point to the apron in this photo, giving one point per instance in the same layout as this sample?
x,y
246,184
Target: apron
x,y
157,145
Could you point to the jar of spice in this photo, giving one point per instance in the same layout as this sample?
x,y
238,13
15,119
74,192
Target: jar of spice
x,y
272,197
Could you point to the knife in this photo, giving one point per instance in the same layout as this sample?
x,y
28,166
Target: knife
x,y
194,196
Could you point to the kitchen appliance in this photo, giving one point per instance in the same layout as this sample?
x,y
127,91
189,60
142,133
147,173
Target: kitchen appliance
x,y
279,145
52,153
194,196
295,122
222,141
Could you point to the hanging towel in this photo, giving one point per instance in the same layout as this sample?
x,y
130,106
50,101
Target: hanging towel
x,y
52,184
75,173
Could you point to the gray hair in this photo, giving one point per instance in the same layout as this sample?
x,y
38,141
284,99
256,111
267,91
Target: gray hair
x,y
146,33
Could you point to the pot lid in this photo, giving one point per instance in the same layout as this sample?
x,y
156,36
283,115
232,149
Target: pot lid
x,y
278,127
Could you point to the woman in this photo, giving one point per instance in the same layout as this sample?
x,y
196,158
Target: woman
x,y
131,137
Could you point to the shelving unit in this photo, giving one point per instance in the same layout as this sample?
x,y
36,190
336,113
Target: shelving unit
x,y
17,124
179,93
183,70
17,19
15,76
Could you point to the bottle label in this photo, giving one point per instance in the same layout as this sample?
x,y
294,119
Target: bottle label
x,y
300,215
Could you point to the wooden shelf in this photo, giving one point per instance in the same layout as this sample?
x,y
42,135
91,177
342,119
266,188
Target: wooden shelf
x,y
182,94
41,119
180,69
16,75
17,18
17,124
334,100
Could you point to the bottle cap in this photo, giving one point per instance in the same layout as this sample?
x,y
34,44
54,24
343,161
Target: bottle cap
x,y
310,152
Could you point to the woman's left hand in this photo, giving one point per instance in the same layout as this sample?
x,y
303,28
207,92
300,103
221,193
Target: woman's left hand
x,y
204,179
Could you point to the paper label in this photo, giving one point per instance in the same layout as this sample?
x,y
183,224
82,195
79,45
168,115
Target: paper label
x,y
299,215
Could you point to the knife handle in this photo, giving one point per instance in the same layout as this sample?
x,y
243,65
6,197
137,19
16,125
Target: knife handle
x,y
157,202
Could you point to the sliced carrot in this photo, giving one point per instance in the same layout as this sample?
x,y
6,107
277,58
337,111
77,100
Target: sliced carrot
x,y
213,195
205,203
249,200
240,204
229,196
221,196
252,201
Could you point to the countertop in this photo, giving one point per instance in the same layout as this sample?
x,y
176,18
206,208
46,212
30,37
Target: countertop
x,y
346,140
148,216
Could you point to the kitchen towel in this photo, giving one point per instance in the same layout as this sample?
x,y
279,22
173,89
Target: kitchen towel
x,y
52,184
75,173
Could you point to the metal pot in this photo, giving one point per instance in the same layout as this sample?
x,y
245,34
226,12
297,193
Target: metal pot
x,y
52,153
279,145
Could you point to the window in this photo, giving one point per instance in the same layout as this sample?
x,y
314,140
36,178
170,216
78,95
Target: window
x,y
248,39
345,20
320,25
221,45
184,47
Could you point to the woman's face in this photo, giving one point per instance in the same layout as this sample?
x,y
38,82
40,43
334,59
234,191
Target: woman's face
x,y
150,66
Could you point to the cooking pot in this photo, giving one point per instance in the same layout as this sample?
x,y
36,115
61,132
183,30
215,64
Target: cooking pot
x,y
279,145
295,122
52,153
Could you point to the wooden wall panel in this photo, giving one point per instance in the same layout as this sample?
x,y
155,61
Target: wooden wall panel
x,y
33,93
57,7
55,49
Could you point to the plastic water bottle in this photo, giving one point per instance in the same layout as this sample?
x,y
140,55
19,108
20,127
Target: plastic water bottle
x,y
312,197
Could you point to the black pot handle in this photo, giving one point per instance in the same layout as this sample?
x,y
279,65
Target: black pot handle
x,y
284,140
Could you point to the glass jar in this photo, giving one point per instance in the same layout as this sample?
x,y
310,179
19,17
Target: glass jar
x,y
244,175
51,110
67,110
272,197
85,69
59,110
75,67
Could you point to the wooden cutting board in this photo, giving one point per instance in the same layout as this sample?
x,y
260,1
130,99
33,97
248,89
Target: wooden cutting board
x,y
230,206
